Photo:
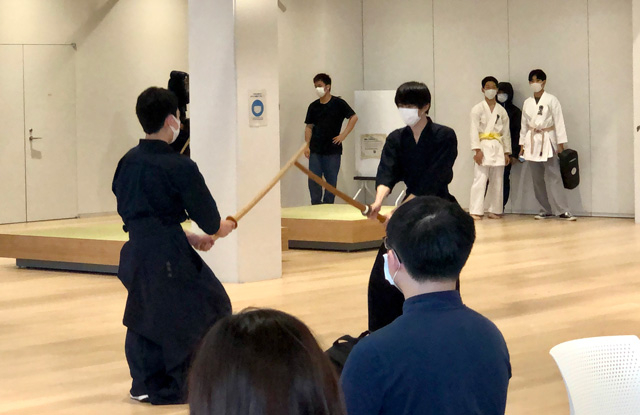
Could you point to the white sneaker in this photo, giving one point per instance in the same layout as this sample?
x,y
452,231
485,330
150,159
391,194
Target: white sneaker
x,y
140,398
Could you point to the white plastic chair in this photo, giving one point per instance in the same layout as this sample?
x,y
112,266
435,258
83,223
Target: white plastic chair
x,y
601,374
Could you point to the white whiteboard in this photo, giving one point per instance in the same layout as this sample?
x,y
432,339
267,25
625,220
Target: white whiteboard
x,y
377,114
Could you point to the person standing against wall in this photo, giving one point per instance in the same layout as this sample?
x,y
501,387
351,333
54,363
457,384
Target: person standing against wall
x,y
505,98
542,137
324,138
491,146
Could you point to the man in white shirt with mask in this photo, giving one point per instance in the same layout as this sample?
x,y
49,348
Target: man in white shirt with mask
x,y
542,137
491,144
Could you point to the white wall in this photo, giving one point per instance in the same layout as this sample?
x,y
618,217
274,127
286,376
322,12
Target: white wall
x,y
46,21
586,52
610,78
397,31
316,37
134,45
124,46
12,148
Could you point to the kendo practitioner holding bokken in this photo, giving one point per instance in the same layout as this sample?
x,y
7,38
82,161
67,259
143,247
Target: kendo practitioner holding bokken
x,y
174,297
421,155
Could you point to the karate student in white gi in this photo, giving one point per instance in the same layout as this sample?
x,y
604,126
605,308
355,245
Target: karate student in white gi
x,y
542,137
491,144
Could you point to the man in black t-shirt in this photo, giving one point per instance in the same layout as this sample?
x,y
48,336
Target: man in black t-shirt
x,y
324,122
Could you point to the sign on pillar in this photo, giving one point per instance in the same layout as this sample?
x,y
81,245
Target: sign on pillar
x,y
257,108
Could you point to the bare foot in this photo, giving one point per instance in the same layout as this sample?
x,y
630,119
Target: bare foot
x,y
476,217
494,216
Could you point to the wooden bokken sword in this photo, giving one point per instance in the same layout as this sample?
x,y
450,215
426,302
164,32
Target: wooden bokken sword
x,y
235,218
364,209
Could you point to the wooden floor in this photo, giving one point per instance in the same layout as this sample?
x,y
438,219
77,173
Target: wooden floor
x,y
542,283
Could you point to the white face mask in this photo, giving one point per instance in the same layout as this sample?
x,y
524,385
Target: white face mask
x,y
409,116
490,93
387,274
536,87
175,131
502,98
320,91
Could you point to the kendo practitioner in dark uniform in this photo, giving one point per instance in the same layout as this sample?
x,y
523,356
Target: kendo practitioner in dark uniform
x,y
174,297
179,85
505,98
421,155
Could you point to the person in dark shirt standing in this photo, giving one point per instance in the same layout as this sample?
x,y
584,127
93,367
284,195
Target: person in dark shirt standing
x,y
179,85
324,122
440,357
173,296
421,155
505,98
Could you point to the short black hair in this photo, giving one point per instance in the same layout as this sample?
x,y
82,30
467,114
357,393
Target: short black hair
x,y
432,236
153,107
326,79
489,79
538,73
413,93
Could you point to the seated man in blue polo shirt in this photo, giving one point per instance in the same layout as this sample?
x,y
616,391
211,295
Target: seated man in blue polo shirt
x,y
439,357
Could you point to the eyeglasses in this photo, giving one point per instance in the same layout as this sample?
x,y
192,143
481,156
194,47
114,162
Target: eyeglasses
x,y
388,247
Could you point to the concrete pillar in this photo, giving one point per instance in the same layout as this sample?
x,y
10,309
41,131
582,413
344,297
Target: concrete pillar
x,y
233,51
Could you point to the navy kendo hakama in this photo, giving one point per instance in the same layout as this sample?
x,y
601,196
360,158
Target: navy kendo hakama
x,y
174,297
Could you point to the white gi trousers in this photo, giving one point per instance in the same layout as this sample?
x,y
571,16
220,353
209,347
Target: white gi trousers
x,y
494,194
548,186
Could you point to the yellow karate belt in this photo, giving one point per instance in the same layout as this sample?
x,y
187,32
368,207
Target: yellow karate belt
x,y
490,136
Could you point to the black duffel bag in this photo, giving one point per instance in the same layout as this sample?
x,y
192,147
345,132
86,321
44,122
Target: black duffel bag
x,y
569,168
339,352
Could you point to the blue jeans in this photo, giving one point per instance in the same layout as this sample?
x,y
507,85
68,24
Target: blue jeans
x,y
326,165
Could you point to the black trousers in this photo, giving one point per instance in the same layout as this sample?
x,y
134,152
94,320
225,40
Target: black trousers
x,y
384,300
165,386
506,184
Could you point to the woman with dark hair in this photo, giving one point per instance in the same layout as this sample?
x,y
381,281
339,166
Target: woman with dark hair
x,y
421,155
262,362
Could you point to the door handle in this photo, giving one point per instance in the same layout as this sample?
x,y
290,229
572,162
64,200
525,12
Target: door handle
x,y
31,137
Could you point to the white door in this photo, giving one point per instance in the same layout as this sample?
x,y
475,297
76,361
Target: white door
x,y
50,132
12,162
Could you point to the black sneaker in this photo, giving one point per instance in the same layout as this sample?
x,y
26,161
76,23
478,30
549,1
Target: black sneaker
x,y
567,216
140,398
543,215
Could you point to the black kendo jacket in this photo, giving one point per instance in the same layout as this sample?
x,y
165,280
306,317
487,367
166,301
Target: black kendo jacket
x,y
515,115
179,85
